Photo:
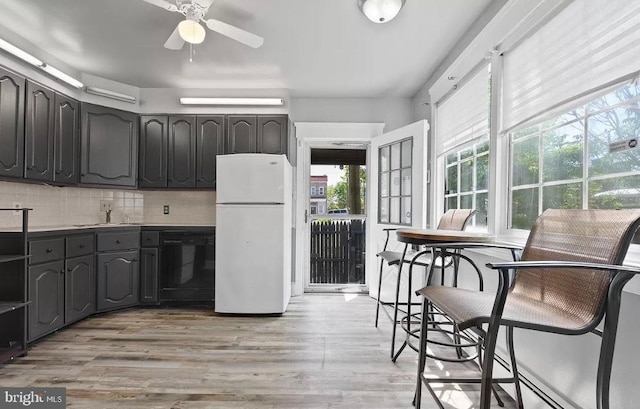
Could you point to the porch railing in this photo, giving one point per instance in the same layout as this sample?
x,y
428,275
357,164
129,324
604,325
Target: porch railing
x,y
337,251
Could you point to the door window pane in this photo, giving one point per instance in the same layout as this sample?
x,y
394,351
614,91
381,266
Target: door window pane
x,y
395,156
406,182
406,210
395,182
384,158
406,153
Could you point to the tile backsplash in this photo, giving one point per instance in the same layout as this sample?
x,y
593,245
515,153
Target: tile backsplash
x,y
55,206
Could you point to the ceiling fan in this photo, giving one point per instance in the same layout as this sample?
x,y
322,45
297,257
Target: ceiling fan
x,y
190,30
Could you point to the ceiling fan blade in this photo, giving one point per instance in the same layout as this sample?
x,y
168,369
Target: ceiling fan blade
x,y
205,4
164,4
174,42
235,33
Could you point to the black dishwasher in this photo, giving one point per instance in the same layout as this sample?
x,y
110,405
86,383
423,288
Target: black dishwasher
x,y
187,267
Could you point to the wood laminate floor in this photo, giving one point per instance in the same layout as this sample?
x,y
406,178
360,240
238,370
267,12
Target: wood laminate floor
x,y
323,353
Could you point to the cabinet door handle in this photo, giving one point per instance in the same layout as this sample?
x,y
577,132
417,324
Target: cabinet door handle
x,y
49,250
134,259
62,271
70,269
117,241
82,246
30,167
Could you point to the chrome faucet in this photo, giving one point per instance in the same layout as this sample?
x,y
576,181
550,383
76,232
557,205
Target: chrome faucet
x,y
108,216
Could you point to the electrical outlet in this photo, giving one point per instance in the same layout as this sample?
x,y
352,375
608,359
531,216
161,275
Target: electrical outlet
x,y
106,205
166,209
16,205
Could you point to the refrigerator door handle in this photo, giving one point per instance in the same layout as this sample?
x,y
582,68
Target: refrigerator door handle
x,y
306,216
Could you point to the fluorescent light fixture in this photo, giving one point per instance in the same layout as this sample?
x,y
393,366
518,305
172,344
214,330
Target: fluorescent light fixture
x,y
110,94
23,55
232,101
62,76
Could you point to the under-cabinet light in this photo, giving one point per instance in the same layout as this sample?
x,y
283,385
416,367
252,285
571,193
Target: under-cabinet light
x,y
23,55
110,94
62,76
232,101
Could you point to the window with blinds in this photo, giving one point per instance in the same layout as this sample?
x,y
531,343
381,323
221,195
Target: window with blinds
x,y
590,44
571,108
464,115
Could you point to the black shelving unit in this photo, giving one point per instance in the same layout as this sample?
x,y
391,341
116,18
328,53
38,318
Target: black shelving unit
x,y
14,294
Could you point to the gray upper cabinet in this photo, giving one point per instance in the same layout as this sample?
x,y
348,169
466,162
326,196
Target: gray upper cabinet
x,y
241,134
257,134
209,143
181,165
39,126
152,168
66,141
11,124
109,146
272,134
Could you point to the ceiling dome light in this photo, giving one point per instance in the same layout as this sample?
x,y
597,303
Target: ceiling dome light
x,y
191,31
380,11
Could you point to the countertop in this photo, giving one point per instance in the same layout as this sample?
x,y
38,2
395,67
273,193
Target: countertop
x,y
94,226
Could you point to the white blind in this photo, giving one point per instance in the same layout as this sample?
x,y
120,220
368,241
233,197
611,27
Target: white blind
x,y
464,115
587,45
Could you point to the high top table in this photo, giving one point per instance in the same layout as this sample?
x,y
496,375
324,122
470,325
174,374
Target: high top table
x,y
441,244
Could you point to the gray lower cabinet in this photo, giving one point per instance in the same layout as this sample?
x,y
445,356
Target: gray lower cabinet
x,y
148,275
46,293
118,280
79,288
61,282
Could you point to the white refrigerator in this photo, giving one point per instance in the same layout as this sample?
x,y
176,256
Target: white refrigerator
x,y
253,234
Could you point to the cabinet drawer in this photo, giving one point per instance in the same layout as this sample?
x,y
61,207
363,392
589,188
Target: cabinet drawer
x,y
79,246
46,250
150,239
118,241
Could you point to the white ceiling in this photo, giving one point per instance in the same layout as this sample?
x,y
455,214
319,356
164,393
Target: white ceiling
x,y
313,48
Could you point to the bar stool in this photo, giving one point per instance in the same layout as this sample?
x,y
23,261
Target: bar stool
x,y
454,219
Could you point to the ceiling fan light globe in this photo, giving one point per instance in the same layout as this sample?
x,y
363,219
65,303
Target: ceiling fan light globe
x,y
381,11
191,31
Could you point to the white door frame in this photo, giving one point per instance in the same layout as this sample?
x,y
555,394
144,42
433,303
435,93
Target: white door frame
x,y
317,134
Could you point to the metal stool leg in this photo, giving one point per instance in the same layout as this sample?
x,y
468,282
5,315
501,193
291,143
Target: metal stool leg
x,y
379,291
395,306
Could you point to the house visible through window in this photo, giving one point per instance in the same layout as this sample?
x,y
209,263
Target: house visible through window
x,y
586,158
395,183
